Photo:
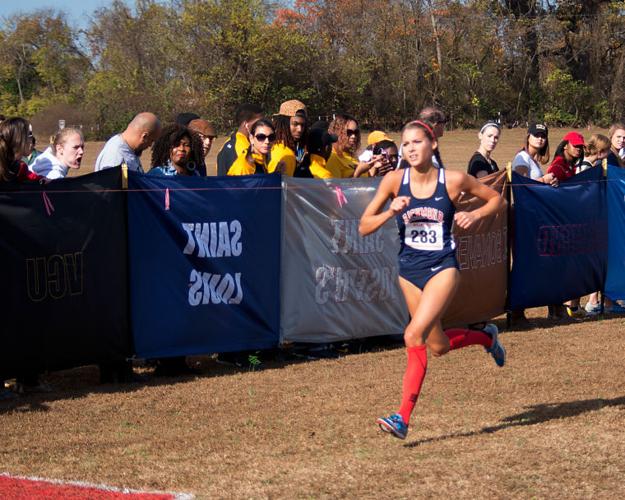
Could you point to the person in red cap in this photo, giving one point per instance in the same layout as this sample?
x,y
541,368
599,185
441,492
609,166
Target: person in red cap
x,y
569,152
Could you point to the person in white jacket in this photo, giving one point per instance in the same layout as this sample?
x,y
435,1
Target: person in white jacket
x,y
66,151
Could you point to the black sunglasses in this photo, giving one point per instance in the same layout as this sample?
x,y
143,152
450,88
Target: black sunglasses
x,y
351,132
263,137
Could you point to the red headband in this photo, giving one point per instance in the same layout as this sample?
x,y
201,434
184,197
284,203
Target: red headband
x,y
426,127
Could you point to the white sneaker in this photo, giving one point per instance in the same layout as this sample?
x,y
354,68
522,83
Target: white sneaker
x,y
593,309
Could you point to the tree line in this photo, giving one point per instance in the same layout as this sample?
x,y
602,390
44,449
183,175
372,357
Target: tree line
x,y
381,60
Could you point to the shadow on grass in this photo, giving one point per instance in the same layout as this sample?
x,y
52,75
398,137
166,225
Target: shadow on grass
x,y
76,383
536,414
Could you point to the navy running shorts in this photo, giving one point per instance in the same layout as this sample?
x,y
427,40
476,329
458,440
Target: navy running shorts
x,y
419,275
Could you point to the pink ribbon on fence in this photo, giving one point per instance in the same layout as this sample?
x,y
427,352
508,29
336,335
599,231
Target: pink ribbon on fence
x,y
340,197
47,203
167,199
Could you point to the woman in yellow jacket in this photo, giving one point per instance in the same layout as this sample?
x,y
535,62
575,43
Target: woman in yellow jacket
x,y
342,162
256,159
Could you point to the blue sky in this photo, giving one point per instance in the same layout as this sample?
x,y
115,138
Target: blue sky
x,y
76,10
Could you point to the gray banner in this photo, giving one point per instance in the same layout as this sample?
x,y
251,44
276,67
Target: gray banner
x,y
336,285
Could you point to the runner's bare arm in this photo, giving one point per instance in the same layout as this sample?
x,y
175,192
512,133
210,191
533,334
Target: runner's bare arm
x,y
372,219
460,182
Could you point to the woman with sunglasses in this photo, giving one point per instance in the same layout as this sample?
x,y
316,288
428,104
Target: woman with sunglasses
x,y
422,200
255,160
528,161
342,162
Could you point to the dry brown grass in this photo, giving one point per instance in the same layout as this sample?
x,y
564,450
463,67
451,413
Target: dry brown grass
x,y
547,425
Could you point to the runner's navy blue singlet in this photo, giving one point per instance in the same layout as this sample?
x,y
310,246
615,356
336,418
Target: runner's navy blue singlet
x,y
427,245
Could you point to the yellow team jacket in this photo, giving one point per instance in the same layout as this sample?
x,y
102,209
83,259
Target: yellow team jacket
x,y
282,153
318,168
341,165
241,165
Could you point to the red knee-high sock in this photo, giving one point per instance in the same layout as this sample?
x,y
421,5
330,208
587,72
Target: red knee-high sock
x,y
463,337
413,379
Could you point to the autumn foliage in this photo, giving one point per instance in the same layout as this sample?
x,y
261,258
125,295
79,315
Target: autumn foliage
x,y
561,61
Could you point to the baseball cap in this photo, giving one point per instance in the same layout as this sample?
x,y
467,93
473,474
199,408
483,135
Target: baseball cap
x,y
290,108
574,139
536,128
377,136
202,127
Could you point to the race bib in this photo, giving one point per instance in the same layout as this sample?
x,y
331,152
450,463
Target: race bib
x,y
424,235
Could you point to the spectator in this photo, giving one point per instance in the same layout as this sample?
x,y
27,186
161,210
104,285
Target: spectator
x,y
481,163
342,163
385,158
568,154
566,159
291,126
527,162
127,147
319,146
595,152
255,160
372,139
14,144
206,133
32,152
176,152
239,143
65,152
617,142
597,149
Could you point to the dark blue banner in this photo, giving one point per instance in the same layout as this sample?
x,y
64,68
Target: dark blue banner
x,y
204,263
615,282
560,239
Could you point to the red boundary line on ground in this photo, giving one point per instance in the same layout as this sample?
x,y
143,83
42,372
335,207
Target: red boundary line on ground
x,y
23,487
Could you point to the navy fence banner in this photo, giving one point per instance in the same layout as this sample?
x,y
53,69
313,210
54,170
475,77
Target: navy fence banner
x,y
560,239
204,263
615,282
63,267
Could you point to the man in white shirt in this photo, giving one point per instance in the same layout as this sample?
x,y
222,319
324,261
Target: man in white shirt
x,y
127,147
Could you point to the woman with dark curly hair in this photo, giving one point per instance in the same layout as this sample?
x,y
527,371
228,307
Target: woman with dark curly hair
x,y
342,162
176,152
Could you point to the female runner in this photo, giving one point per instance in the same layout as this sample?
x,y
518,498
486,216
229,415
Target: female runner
x,y
423,202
